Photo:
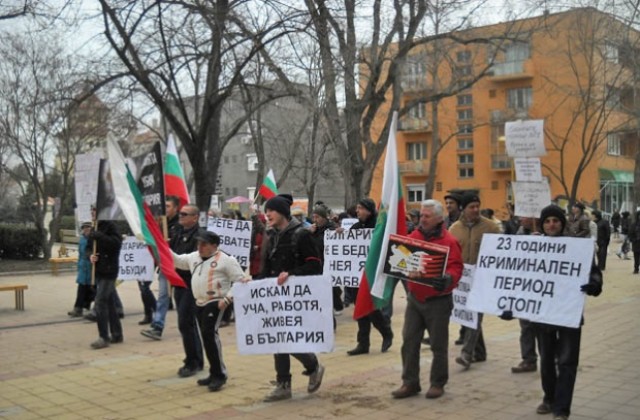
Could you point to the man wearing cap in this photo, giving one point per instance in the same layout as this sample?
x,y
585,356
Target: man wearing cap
x,y
290,251
452,203
367,216
469,230
321,223
578,223
560,346
212,275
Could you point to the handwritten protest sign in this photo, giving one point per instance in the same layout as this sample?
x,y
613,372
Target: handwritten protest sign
x,y
536,277
405,255
528,169
86,183
235,237
136,262
525,138
461,314
296,317
531,198
345,255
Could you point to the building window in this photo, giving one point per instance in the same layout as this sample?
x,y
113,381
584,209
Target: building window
x,y
416,151
464,100
519,98
465,114
518,51
465,165
227,191
612,97
251,192
465,172
463,56
418,111
235,191
611,52
613,144
252,162
439,186
466,159
415,193
465,129
465,144
463,71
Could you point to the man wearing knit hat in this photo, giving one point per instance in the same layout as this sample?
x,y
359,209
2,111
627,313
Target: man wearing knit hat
x,y
321,223
560,346
452,203
290,250
469,230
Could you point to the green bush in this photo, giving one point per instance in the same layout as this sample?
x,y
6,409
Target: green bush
x,y
19,242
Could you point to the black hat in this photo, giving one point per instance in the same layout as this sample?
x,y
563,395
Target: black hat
x,y
368,204
579,205
208,237
553,210
469,198
280,203
321,210
455,197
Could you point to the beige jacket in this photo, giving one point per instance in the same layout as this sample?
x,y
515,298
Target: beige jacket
x,y
470,236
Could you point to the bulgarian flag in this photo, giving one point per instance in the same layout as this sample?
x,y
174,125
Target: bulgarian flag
x,y
269,188
138,214
375,286
174,183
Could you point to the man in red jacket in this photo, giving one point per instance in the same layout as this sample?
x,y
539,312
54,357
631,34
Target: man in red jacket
x,y
429,307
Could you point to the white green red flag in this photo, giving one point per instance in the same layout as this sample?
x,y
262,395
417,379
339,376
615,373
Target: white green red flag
x,y
174,183
138,214
376,287
268,189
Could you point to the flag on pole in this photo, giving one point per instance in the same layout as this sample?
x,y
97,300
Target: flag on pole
x,y
174,183
138,214
376,287
268,189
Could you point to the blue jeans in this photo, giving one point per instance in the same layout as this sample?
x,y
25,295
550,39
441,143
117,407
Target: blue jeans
x,y
148,299
162,303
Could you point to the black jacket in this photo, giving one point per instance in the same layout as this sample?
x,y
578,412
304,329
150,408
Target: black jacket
x,y
184,242
291,250
369,223
318,237
108,243
604,233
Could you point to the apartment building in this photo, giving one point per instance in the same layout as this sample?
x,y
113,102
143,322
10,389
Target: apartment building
x,y
579,71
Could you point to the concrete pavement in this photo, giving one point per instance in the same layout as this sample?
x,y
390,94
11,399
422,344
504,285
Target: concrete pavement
x,y
47,369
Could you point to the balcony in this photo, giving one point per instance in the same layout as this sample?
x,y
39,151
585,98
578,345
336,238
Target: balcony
x,y
499,116
414,83
413,124
512,70
414,167
501,162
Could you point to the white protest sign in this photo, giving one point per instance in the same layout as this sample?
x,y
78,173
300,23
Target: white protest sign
x,y
215,202
525,138
235,237
536,277
347,223
531,198
136,261
345,255
461,314
87,171
296,317
528,169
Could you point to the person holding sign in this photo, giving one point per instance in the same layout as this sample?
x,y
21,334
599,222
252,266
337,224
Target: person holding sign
x,y
290,250
212,275
469,230
559,347
429,305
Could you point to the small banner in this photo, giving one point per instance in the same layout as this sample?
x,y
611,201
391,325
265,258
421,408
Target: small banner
x,y
235,237
405,255
345,255
461,314
136,262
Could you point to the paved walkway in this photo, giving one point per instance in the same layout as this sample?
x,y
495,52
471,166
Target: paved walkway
x,y
47,369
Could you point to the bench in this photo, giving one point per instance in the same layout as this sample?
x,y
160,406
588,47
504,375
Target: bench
x,y
67,236
19,289
54,261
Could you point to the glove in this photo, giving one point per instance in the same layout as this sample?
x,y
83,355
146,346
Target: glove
x,y
441,283
591,289
506,316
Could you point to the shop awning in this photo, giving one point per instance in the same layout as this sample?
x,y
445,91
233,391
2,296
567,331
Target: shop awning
x,y
616,175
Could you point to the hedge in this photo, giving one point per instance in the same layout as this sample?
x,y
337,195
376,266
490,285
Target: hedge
x,y
19,242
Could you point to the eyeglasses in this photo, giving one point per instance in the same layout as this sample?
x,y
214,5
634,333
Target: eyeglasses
x,y
185,214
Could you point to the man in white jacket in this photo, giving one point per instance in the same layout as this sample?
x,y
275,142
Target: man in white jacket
x,y
213,273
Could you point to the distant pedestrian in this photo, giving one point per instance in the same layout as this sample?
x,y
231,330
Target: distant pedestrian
x,y
603,238
634,238
625,222
86,291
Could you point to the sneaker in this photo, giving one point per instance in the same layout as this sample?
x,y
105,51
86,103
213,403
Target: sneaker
x,y
337,312
543,408
216,384
282,391
187,371
100,343
315,379
463,361
152,333
91,317
524,367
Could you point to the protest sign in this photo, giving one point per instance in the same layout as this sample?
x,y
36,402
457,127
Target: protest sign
x,y
525,138
531,198
296,317
235,237
461,314
536,277
405,255
347,223
528,169
136,262
147,171
87,168
345,255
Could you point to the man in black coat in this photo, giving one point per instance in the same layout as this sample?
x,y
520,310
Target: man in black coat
x,y
604,236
